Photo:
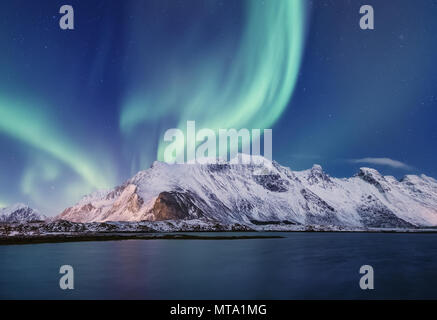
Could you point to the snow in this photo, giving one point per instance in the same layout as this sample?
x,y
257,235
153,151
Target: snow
x,y
19,213
235,193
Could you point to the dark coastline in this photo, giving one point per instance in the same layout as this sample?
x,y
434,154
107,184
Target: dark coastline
x,y
181,235
14,240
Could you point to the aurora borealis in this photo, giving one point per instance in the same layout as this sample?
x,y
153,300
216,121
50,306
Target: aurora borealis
x,y
223,93
85,109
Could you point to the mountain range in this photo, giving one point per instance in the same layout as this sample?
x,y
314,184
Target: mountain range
x,y
20,213
248,195
241,193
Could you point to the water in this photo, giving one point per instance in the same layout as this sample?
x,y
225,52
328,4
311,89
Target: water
x,y
300,266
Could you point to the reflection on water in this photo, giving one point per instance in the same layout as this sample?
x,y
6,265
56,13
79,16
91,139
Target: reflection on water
x,y
300,266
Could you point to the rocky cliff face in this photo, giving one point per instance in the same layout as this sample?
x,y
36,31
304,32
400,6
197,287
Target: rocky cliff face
x,y
235,193
20,213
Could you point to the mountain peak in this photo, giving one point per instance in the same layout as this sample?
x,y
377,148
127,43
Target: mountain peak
x,y
158,164
317,167
19,213
13,207
316,175
368,171
230,193
373,177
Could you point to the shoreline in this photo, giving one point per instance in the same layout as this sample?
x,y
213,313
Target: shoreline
x,y
179,235
63,238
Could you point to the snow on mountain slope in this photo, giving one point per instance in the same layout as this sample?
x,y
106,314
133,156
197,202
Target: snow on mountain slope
x,y
20,213
236,193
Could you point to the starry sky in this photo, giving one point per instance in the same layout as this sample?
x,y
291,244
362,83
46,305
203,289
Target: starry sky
x,y
85,109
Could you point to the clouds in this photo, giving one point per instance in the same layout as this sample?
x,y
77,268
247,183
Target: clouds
x,y
384,162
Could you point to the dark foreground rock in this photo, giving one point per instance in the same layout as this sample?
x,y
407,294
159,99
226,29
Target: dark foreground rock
x,y
79,237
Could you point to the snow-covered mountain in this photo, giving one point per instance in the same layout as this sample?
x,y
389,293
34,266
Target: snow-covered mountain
x,y
236,193
20,213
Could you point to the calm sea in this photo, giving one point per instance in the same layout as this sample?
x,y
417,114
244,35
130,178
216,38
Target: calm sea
x,y
299,266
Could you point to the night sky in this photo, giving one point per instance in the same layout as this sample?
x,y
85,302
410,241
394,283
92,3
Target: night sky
x,y
85,109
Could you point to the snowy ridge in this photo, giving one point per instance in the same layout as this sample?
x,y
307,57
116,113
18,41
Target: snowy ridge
x,y
20,213
66,227
279,198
